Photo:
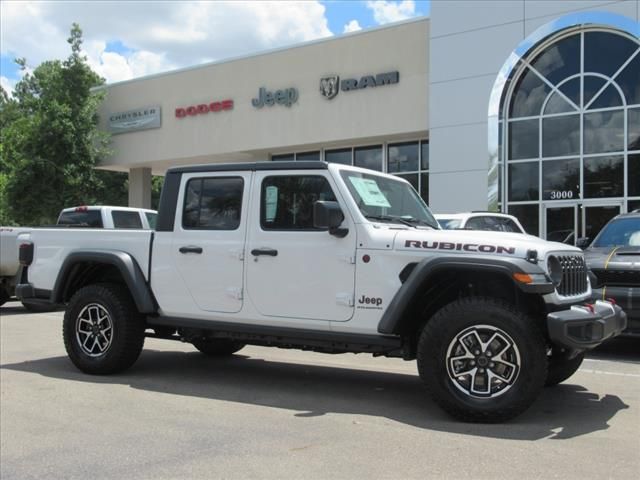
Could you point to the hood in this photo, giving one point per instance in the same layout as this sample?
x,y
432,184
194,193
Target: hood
x,y
477,242
613,257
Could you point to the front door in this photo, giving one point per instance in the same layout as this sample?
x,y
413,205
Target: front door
x,y
561,223
293,269
596,215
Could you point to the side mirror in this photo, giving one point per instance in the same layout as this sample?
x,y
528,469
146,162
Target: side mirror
x,y
329,215
583,242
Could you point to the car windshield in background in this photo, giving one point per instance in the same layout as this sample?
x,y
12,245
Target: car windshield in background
x,y
624,232
449,223
85,218
386,200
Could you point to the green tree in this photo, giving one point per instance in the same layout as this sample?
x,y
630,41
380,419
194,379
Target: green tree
x,y
51,142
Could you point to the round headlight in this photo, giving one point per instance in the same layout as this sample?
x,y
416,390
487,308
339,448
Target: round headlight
x,y
554,268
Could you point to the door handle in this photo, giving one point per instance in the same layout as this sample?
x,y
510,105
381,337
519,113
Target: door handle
x,y
191,249
264,251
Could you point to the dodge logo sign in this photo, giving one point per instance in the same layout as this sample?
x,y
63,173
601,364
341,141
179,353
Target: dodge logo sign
x,y
329,86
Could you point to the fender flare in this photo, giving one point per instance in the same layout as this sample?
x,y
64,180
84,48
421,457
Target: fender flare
x,y
126,265
393,316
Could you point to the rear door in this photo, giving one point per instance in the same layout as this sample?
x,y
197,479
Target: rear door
x,y
295,270
208,239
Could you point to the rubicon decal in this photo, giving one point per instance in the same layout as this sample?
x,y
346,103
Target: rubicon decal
x,y
204,108
466,247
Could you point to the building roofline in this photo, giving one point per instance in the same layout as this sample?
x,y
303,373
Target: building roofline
x,y
265,52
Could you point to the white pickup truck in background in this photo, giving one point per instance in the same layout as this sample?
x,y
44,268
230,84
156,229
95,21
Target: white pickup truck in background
x,y
107,217
329,258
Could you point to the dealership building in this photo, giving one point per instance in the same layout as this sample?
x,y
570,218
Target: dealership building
x,y
527,107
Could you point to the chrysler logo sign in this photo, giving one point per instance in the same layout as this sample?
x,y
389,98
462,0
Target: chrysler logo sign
x,y
132,120
331,85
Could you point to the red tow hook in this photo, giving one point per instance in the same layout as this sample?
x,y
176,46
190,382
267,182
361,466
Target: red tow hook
x,y
612,301
590,307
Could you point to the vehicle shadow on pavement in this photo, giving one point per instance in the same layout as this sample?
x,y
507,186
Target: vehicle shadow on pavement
x,y
563,412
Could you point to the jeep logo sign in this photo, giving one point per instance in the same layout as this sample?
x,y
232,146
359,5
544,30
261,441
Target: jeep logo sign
x,y
287,97
331,85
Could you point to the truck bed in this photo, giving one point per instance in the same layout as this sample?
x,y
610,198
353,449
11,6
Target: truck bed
x,y
52,246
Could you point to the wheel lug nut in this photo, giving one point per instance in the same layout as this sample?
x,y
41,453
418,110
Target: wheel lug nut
x,y
488,354
477,352
481,370
472,363
491,365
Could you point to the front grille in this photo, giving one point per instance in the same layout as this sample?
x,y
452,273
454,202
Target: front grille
x,y
621,278
574,275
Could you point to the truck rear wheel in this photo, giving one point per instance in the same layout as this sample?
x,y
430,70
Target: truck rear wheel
x,y
482,360
217,347
102,329
560,368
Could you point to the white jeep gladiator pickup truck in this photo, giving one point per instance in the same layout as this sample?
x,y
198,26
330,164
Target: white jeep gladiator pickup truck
x,y
328,258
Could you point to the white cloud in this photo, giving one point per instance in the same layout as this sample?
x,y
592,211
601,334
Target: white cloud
x,y
160,35
388,11
352,26
7,84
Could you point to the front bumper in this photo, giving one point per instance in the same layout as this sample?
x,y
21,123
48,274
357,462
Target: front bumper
x,y
629,299
585,327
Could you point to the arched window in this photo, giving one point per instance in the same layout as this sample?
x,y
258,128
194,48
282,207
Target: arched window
x,y
570,133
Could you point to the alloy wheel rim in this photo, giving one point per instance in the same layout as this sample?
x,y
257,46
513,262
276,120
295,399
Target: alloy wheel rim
x,y
483,361
94,330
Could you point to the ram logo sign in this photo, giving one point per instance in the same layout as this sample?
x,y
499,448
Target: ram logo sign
x,y
331,85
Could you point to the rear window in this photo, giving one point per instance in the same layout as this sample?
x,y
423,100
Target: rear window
x,y
124,219
87,218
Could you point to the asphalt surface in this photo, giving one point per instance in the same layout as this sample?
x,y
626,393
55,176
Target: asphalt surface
x,y
271,413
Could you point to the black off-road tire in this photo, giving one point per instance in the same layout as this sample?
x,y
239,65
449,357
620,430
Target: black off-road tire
x,y
4,296
560,368
469,314
218,347
127,338
34,307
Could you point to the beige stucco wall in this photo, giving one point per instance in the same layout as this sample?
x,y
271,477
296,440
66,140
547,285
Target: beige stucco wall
x,y
248,133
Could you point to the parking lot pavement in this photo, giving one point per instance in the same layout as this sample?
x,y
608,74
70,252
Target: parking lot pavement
x,y
271,413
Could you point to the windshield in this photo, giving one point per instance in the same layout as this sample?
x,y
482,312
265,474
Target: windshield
x,y
383,199
624,232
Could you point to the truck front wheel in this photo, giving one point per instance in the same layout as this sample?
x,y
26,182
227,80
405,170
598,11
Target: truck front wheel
x,y
482,360
102,329
561,368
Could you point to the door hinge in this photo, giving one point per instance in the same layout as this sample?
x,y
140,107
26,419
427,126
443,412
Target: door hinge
x,y
348,258
234,292
345,299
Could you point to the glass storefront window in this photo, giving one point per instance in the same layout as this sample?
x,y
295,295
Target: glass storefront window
x,y
604,177
287,157
368,157
523,181
531,91
424,155
412,178
604,132
528,217
523,139
634,175
342,156
402,157
561,179
633,129
424,187
308,156
561,136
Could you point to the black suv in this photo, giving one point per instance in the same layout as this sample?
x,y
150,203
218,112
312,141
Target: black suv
x,y
614,260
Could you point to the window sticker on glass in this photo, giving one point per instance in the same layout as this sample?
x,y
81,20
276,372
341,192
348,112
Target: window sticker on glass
x,y
370,192
271,203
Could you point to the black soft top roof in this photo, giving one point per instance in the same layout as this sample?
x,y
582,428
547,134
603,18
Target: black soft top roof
x,y
253,166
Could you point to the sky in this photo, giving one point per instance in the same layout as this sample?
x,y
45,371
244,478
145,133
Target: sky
x,y
129,39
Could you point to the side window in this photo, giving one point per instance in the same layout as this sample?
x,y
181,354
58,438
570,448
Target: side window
x,y
286,202
213,203
124,219
152,218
